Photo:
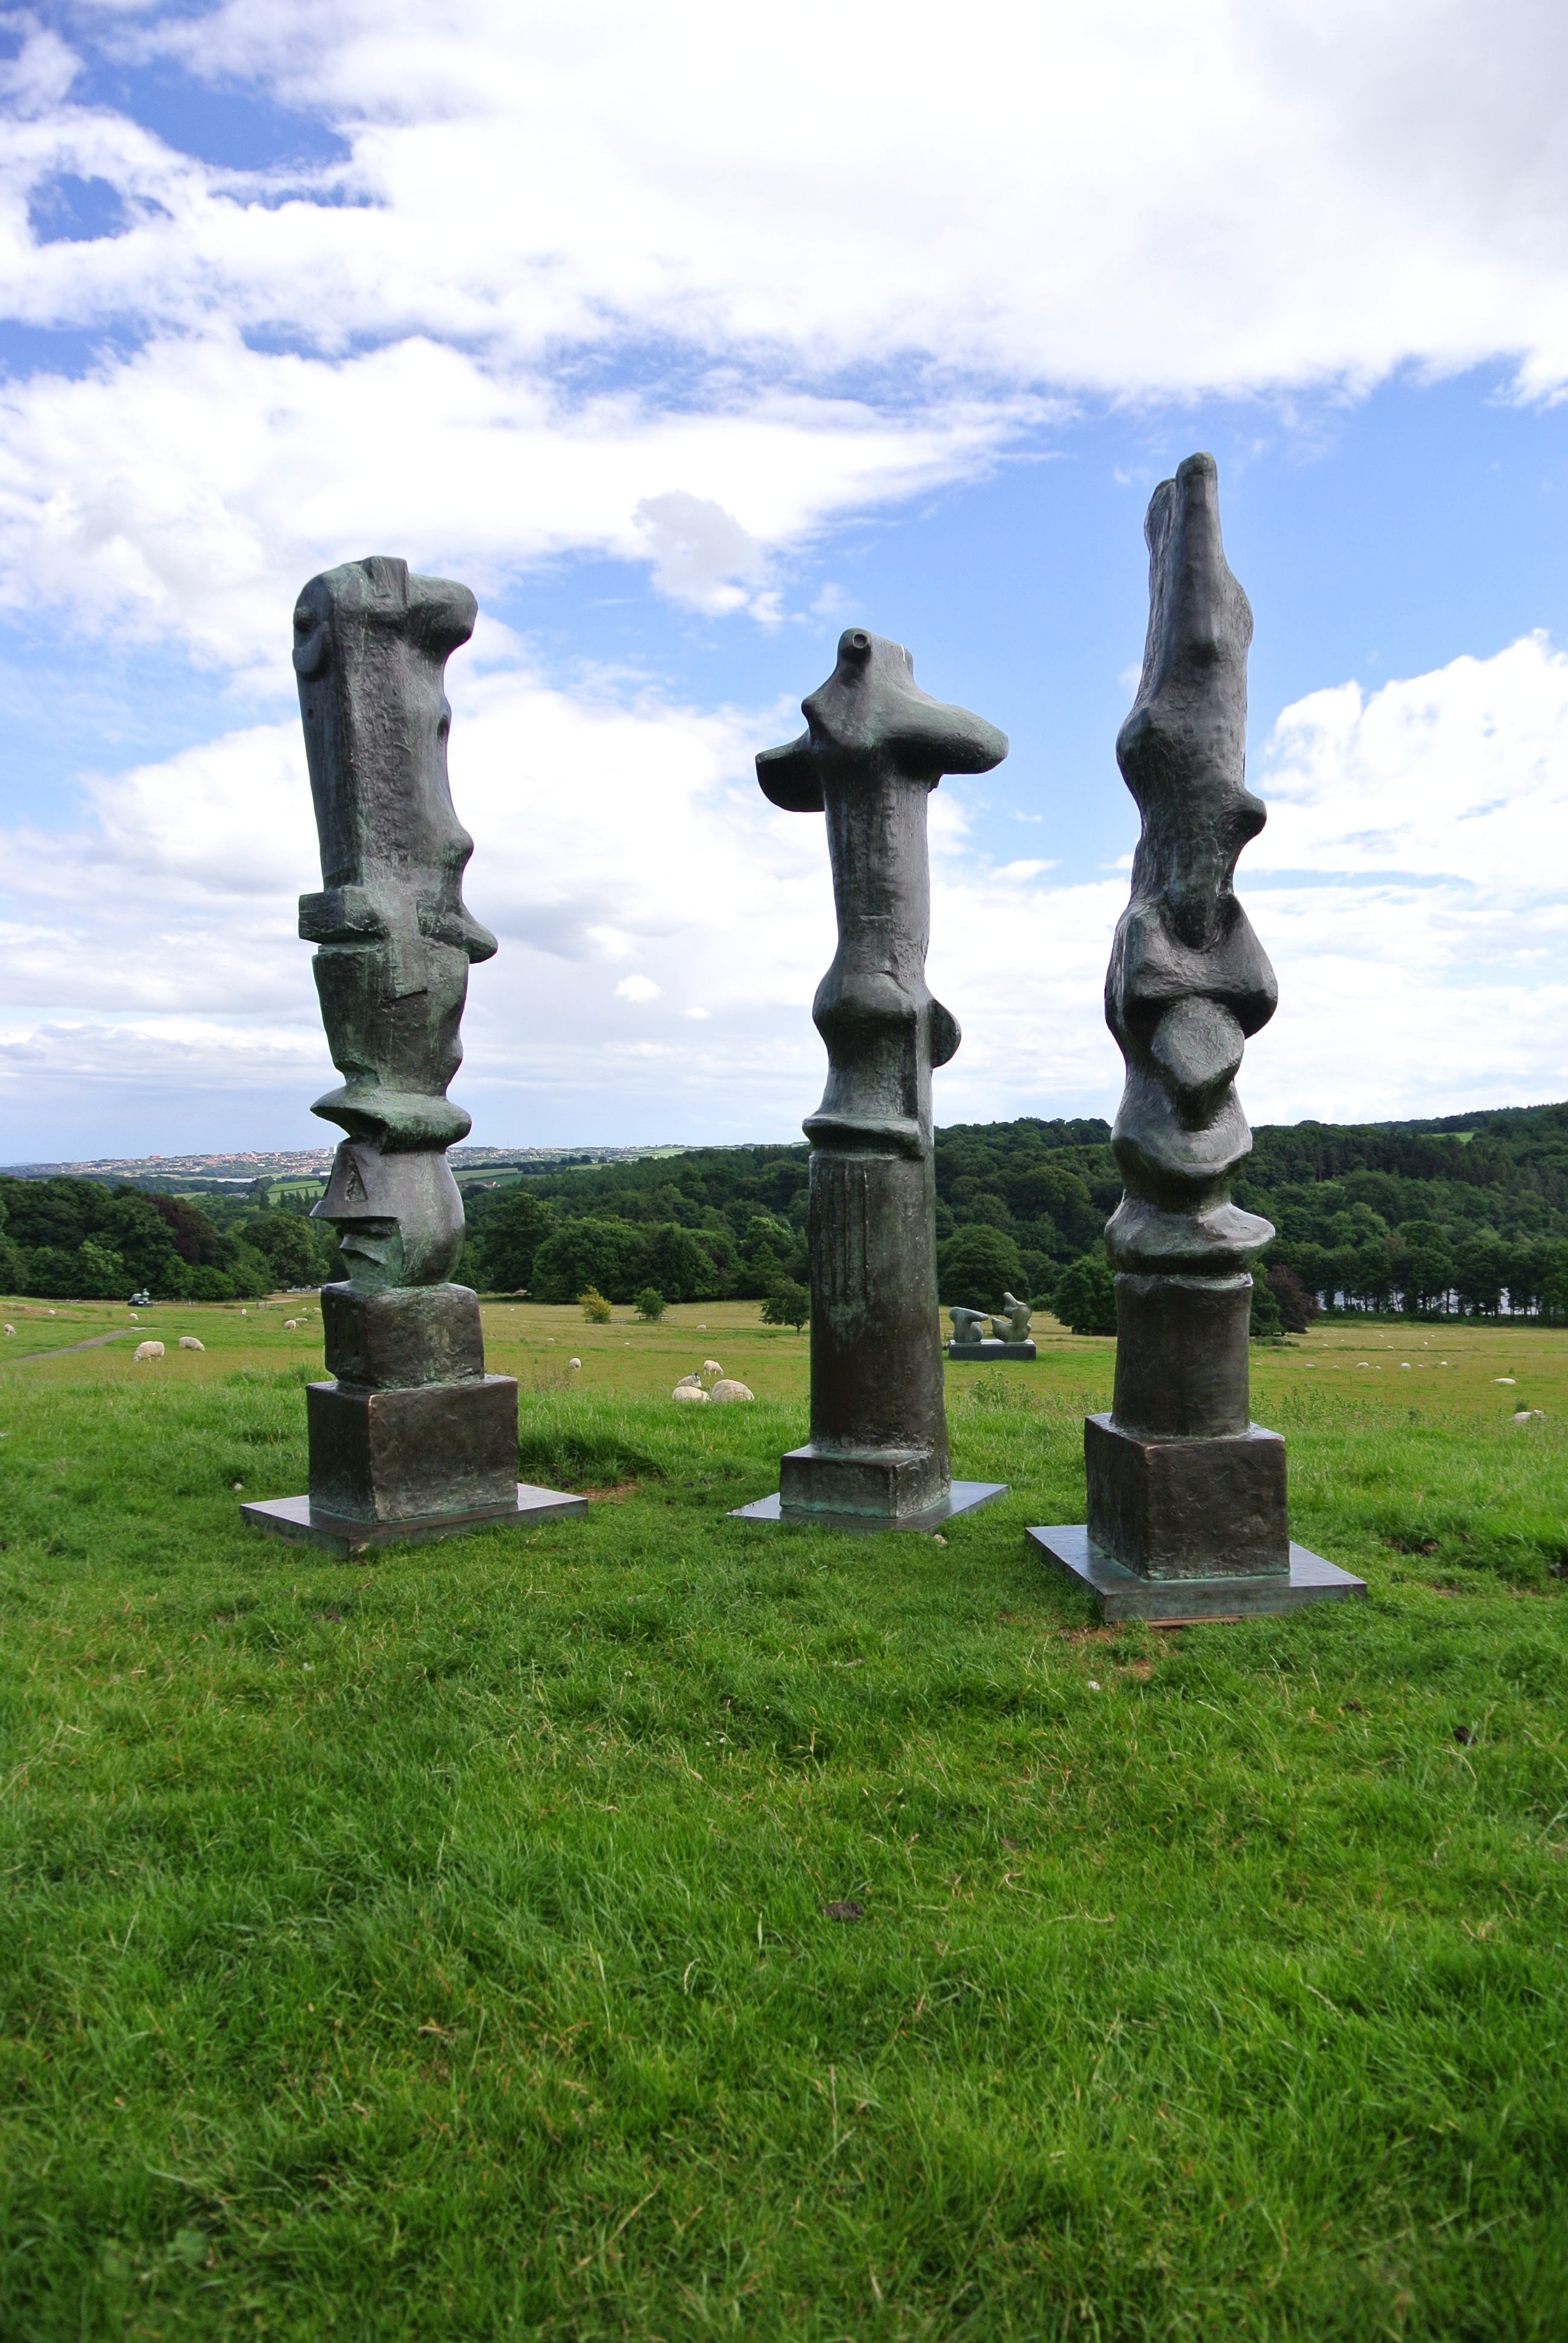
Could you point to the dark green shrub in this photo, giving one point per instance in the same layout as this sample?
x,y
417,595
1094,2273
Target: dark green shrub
x,y
977,1267
788,1304
1086,1296
1265,1321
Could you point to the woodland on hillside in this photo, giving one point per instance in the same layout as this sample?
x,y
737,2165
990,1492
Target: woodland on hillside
x,y
1471,1218
1468,1215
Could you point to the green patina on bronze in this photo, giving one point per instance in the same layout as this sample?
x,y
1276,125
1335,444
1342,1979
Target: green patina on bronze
x,y
394,937
410,1437
1182,1483
1187,1510
874,749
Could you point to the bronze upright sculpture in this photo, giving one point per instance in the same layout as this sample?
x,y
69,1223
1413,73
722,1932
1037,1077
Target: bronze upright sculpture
x,y
1186,1494
411,1438
874,748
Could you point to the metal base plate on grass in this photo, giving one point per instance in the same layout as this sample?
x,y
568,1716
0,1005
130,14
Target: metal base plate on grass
x,y
293,1518
1120,1593
963,1498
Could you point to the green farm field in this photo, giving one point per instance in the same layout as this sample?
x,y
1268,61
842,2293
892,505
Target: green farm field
x,y
659,1926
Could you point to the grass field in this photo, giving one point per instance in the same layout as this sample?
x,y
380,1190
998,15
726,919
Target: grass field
x,y
444,1945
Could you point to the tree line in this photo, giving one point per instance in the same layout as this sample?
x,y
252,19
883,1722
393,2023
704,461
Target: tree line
x,y
1469,1217
66,1239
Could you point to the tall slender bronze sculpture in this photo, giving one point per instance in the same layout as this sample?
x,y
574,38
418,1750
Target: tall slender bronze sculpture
x,y
1186,1494
411,1438
874,748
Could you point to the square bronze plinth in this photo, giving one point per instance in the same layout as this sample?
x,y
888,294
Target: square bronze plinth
x,y
1210,1508
299,1523
962,1497
889,1490
1120,1593
391,1455
402,1467
1184,1529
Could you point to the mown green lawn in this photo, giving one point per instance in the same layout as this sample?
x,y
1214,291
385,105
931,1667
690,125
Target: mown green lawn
x,y
440,1945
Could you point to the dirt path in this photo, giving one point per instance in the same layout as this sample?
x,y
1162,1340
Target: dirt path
x,y
92,1343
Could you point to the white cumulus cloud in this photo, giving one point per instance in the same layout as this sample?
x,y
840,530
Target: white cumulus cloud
x,y
1128,196
614,830
687,289
839,260
1424,964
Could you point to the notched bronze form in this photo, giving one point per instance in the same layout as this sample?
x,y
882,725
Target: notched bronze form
x,y
411,1438
394,937
1188,983
1187,1514
874,748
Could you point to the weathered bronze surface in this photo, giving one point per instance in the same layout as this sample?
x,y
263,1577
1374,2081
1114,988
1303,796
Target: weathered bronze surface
x,y
394,937
1010,1336
874,748
395,1455
1188,981
1180,1483
410,1432
1187,1512
1120,1593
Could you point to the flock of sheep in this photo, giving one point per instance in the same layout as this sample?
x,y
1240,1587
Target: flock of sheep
x,y
693,1387
147,1352
722,1387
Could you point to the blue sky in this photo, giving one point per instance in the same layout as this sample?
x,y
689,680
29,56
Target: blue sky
x,y
684,360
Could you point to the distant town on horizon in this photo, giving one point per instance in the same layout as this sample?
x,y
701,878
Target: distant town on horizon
x,y
241,1168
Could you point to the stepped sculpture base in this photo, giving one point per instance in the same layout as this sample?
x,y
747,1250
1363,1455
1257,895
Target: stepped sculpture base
x,y
962,1497
991,1349
411,1440
1120,1593
298,1521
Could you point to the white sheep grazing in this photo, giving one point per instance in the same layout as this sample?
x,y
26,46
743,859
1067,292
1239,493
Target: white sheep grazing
x,y
711,1367
727,1388
146,1351
688,1387
189,1342
290,1325
10,1330
574,1363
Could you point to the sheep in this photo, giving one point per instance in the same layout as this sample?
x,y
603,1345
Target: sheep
x,y
290,1325
10,1330
688,1387
146,1351
711,1367
189,1342
573,1365
727,1388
